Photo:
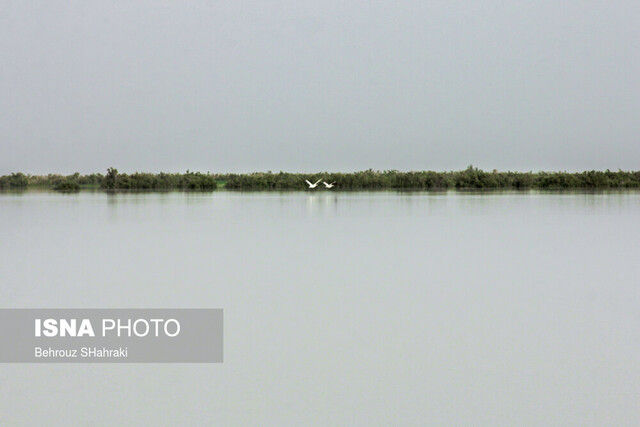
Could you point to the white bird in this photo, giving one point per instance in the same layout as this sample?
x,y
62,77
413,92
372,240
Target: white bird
x,y
328,185
313,185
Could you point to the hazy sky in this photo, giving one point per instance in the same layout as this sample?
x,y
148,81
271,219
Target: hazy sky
x,y
318,85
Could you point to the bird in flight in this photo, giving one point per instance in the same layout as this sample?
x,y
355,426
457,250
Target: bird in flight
x,y
328,185
313,185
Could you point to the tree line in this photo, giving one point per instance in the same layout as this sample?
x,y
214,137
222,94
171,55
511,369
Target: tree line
x,y
470,178
112,180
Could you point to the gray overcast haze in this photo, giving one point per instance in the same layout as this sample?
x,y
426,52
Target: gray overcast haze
x,y
236,86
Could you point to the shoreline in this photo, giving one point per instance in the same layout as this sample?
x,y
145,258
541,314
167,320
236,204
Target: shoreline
x,y
470,179
398,191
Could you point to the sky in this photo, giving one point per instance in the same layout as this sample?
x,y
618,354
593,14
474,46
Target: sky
x,y
318,85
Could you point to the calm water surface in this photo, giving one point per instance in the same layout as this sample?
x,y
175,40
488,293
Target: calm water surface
x,y
340,308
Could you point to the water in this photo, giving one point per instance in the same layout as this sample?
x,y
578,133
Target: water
x,y
340,308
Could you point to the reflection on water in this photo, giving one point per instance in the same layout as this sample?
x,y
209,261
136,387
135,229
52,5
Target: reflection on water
x,y
396,308
319,202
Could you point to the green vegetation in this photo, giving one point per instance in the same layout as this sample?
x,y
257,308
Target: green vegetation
x,y
470,178
15,180
111,181
51,181
67,186
162,181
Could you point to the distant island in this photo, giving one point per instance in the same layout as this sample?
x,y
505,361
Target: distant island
x,y
468,179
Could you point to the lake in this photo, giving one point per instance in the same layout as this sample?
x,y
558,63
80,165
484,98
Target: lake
x,y
363,308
